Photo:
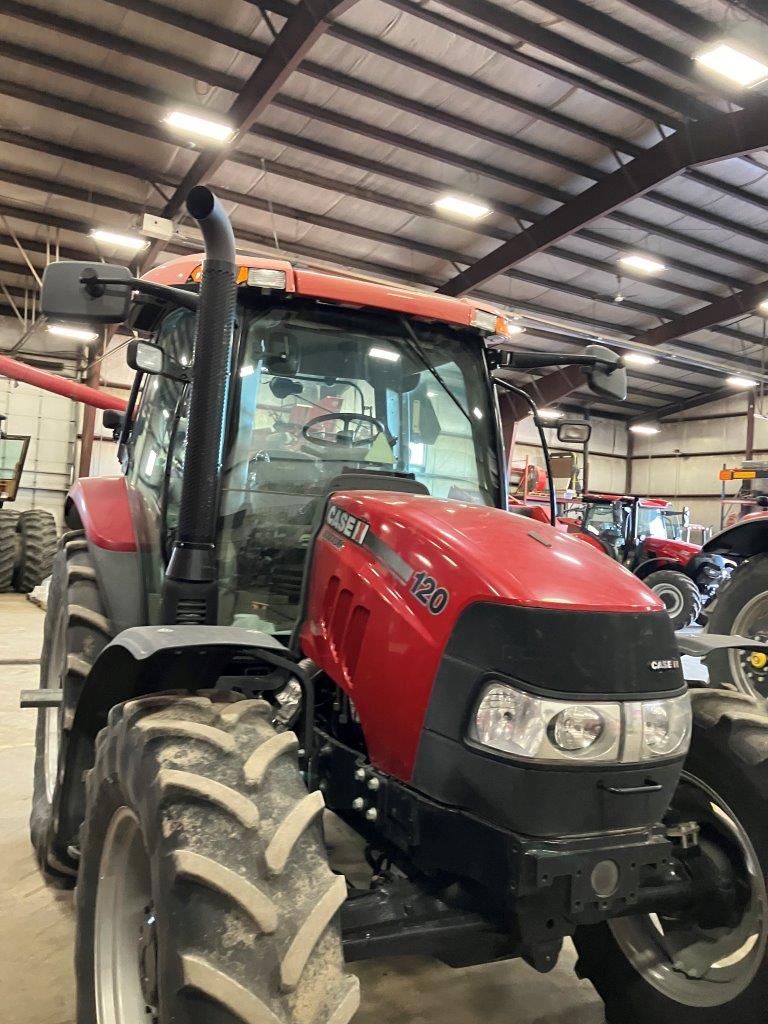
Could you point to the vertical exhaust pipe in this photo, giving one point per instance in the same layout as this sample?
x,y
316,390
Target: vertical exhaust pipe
x,y
190,587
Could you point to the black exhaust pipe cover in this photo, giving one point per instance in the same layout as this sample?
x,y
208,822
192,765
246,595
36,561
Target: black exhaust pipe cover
x,y
190,587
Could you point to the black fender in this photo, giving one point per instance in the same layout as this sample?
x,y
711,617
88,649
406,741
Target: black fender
x,y
743,540
151,659
654,565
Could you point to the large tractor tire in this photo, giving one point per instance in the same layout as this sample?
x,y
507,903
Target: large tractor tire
x,y
204,893
76,629
7,548
652,969
38,539
741,608
680,595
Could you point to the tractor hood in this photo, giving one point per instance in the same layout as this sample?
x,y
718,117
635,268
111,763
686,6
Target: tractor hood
x,y
675,550
485,554
396,579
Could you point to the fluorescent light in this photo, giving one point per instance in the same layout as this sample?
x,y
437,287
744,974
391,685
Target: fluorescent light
x,y
643,428
477,413
122,241
462,207
384,353
75,333
644,264
731,63
218,131
638,359
763,306
515,329
741,382
149,465
247,371
549,414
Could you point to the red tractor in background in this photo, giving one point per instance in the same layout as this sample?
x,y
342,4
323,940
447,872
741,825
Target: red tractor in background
x,y
645,535
294,598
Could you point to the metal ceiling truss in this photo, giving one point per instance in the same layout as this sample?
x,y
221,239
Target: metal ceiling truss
x,y
714,138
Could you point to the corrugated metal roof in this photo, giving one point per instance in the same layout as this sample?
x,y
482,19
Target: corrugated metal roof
x,y
523,105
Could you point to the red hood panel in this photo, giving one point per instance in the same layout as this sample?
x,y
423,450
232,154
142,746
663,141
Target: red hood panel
x,y
487,554
677,550
392,573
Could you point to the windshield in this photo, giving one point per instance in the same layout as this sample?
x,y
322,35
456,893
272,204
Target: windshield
x,y
320,390
316,390
659,522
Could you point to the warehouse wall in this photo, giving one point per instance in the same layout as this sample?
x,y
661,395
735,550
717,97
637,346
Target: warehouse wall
x,y
682,462
51,423
608,450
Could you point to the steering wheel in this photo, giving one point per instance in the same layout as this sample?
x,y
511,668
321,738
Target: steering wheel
x,y
346,436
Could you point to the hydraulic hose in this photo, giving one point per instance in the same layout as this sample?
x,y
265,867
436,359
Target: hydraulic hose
x,y
190,585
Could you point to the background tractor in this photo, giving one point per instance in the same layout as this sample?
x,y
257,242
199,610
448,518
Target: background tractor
x,y
646,535
27,539
293,599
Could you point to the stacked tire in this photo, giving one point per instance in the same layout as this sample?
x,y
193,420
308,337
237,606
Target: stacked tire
x,y
27,548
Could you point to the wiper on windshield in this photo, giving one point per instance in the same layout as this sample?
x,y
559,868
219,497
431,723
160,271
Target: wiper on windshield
x,y
417,349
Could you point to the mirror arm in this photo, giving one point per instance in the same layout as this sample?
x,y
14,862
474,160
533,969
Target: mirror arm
x,y
542,437
531,360
94,285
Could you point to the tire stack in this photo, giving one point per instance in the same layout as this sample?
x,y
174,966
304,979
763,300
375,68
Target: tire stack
x,y
27,547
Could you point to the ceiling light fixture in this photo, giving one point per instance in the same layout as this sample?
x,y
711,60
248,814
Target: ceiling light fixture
x,y
733,64
74,333
216,131
639,359
741,382
384,353
121,241
763,306
644,428
549,414
462,207
646,265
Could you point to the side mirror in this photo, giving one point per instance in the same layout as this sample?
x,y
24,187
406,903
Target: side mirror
x,y
114,421
73,290
574,431
143,356
610,378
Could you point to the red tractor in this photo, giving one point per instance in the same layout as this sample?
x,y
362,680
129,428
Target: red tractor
x,y
646,535
292,599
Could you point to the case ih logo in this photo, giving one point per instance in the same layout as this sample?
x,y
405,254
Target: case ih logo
x,y
346,524
664,664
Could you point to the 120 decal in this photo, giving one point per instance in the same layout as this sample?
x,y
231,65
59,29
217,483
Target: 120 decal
x,y
425,589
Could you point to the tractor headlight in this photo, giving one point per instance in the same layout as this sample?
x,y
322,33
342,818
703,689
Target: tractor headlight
x,y
546,730
538,729
666,726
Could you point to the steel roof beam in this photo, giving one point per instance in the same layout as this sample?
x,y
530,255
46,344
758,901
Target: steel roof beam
x,y
581,56
657,51
715,138
688,403
706,317
111,82
302,29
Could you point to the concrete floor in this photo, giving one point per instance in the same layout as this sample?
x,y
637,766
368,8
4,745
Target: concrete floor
x,y
37,925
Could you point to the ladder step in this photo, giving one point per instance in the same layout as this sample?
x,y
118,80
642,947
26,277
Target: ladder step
x,y
41,698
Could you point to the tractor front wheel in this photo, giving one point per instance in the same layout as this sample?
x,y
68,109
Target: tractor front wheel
x,y
204,892
680,595
681,969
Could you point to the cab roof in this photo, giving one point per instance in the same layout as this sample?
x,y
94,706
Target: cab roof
x,y
345,289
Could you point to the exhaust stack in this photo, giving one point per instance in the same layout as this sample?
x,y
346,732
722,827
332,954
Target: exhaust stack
x,y
190,587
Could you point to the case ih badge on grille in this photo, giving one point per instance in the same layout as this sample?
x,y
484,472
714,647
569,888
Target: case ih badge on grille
x,y
346,524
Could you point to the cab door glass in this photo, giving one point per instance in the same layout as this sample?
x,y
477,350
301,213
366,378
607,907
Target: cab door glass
x,y
157,454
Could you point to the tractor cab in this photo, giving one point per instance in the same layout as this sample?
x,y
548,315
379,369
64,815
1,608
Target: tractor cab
x,y
318,389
